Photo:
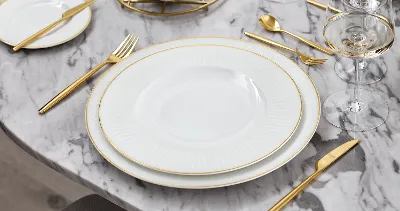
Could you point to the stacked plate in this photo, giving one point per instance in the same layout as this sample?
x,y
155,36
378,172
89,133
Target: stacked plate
x,y
202,112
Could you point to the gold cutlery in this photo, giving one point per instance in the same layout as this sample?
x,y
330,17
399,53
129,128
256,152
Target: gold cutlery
x,y
123,51
270,23
320,166
322,6
66,15
306,59
168,1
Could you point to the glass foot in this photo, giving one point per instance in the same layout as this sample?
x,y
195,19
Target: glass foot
x,y
367,113
372,70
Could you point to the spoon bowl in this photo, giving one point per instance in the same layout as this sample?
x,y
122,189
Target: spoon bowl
x,y
270,23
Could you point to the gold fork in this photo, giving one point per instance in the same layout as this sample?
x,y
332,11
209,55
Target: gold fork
x,y
123,51
306,59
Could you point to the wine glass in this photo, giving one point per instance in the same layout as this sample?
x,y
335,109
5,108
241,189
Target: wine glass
x,y
356,32
371,70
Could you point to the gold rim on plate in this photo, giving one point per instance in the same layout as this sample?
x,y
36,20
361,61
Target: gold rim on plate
x,y
121,151
205,186
54,44
162,12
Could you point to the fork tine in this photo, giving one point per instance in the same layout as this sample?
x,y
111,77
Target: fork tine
x,y
132,47
121,45
318,62
309,63
321,60
312,59
314,62
126,46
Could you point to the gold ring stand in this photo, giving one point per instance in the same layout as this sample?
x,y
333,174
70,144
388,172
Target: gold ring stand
x,y
195,5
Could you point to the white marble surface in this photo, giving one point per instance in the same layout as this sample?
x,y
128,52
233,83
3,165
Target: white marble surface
x,y
368,178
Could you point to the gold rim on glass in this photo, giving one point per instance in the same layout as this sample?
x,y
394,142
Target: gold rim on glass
x,y
121,151
202,5
369,54
206,186
54,44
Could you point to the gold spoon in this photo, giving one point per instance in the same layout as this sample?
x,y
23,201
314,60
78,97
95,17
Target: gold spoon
x,y
270,23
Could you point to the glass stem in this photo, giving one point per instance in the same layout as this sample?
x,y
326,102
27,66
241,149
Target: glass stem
x,y
362,64
357,81
355,104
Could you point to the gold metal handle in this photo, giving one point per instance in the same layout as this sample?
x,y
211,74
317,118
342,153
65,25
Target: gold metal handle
x,y
37,35
173,1
67,91
285,200
270,42
311,43
317,4
323,6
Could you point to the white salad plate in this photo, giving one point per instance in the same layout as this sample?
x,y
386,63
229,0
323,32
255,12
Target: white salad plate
x,y
201,109
308,124
19,19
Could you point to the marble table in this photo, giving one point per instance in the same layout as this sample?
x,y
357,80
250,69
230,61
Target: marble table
x,y
368,178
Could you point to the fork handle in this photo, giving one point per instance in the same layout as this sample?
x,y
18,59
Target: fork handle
x,y
268,41
310,43
67,91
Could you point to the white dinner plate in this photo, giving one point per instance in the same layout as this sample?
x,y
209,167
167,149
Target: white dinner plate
x,y
305,131
19,19
201,109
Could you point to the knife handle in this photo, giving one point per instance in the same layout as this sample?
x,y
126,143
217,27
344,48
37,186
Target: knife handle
x,y
310,43
323,6
285,200
268,41
317,4
37,35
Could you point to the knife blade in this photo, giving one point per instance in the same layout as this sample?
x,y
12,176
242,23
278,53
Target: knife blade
x,y
75,10
335,154
320,166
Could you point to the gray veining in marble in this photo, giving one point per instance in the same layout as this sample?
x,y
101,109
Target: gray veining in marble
x,y
367,178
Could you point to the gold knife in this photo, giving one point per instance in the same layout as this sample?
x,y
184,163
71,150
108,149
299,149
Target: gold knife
x,y
66,15
322,6
320,166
